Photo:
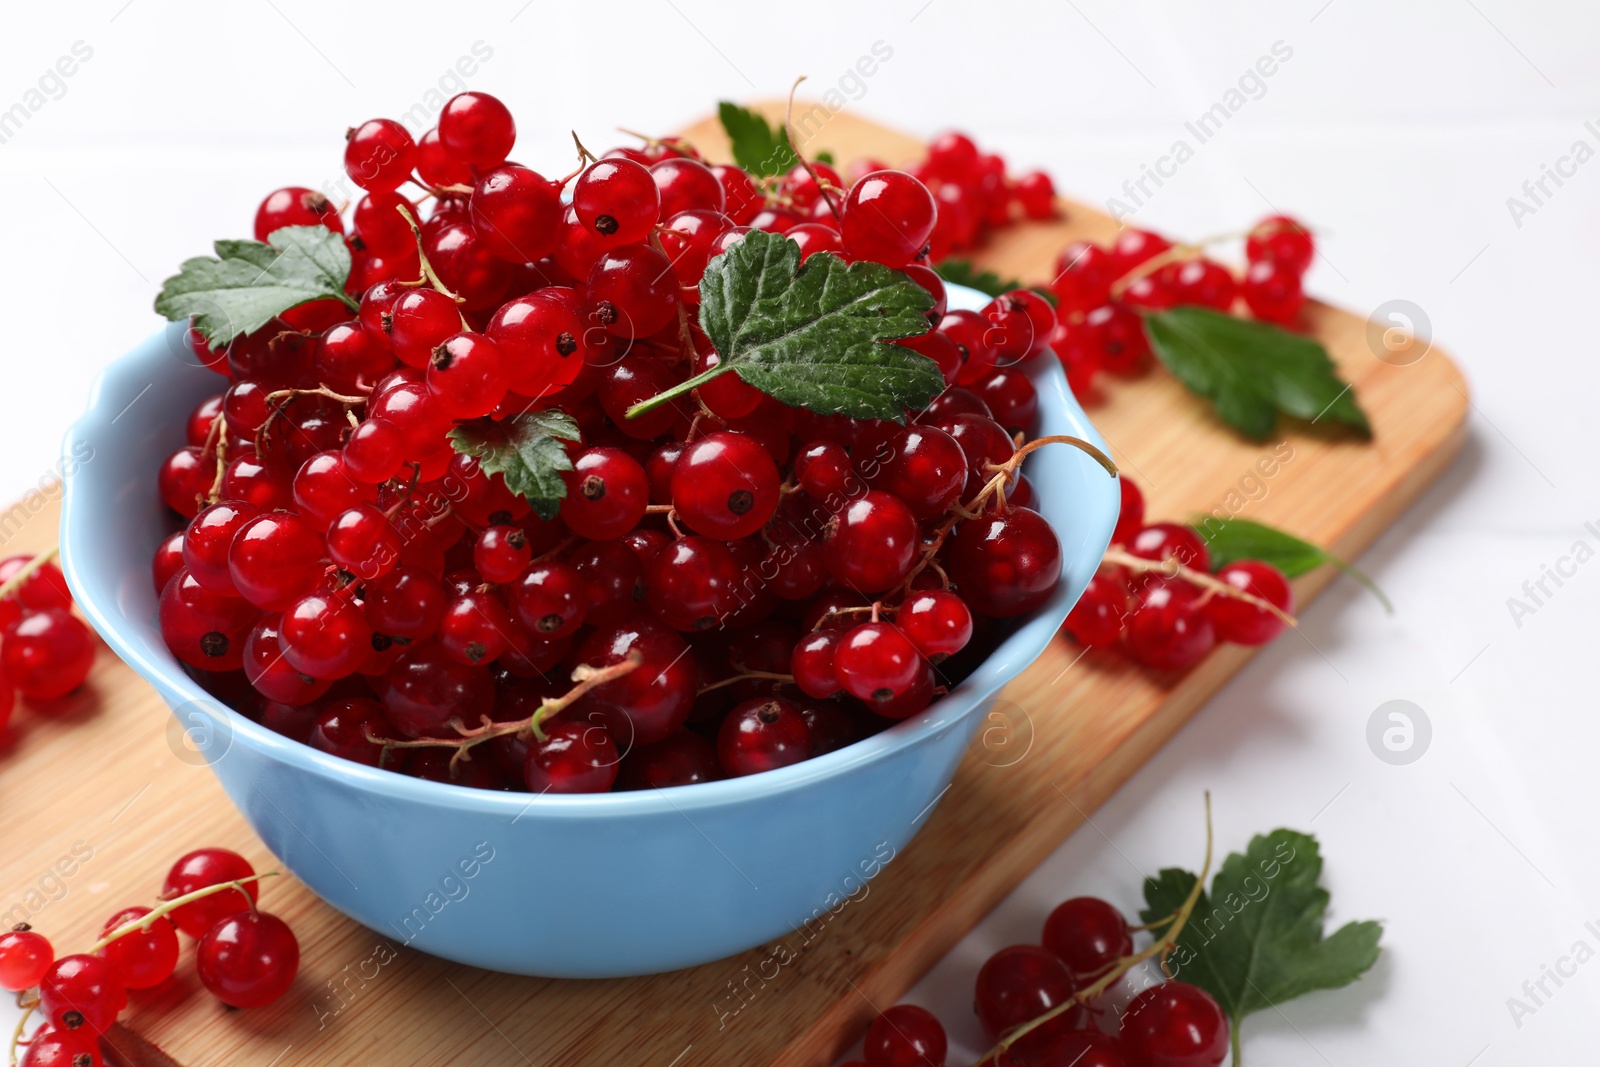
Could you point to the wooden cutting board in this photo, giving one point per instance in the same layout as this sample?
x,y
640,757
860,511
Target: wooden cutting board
x,y
101,793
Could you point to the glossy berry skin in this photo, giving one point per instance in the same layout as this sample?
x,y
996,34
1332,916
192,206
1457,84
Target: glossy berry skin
x,y
295,205
922,465
142,959
1114,332
275,559
427,688
1083,1048
1020,324
421,320
683,759
686,185
905,1036
1272,292
651,702
542,341
365,543
876,662
725,485
1011,397
47,654
248,960
476,628
1084,273
1130,516
551,599
270,673
1004,564
1088,935
25,956
1168,540
1170,630
516,213
50,1047
468,376
617,199
762,735
1282,240
378,155
985,443
81,993
323,489
872,543
1244,623
577,757
1133,247
742,200
342,728
692,584
1175,1024
1097,619
607,492
938,623
477,129
1200,282
207,867
633,291
325,635
812,664
184,479
501,554
888,218
1020,983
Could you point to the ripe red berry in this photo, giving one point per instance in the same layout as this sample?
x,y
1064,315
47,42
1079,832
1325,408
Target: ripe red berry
x,y
343,727
516,213
1005,564
1084,273
632,291
1115,334
25,956
1130,517
693,584
937,622
762,735
905,1036
617,199
1170,540
275,559
50,1047
1088,935
1282,240
1133,247
812,663
295,205
1272,292
871,544
686,185
427,688
1170,629
607,492
47,654
248,960
1240,621
1019,983
923,466
1098,617
576,757
1200,282
1175,1024
541,340
144,958
877,662
325,635
378,155
888,217
652,701
725,485
477,129
682,759
81,993
468,376
207,867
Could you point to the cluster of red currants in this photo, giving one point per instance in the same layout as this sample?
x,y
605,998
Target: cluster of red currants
x,y
974,192
1101,290
45,650
784,581
245,957
1085,941
1152,596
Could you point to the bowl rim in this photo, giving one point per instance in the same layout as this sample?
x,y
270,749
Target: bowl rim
x,y
1022,646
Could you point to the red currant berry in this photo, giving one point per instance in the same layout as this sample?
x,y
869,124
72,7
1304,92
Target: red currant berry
x,y
501,554
683,759
725,485
1020,983
905,1036
762,735
632,291
985,443
382,227
616,580
741,197
1037,195
823,470
468,376
1088,935
812,663
145,958
1272,292
541,340
1083,1048
378,155
206,541
1096,620
1005,564
49,1047
1170,540
275,559
436,166
1170,630
1130,517
422,320
1240,621
364,542
888,218
47,654
467,268
476,628
25,956
271,674
248,960
202,868
686,185
81,993
1280,239
617,199
348,359
877,662
1011,397
1133,247
576,757
477,129
551,599
1201,282
343,727
649,703
1084,273
923,466
185,478
295,206
937,622
325,635
406,603
1175,1024
607,492
693,584
634,379
872,542
1116,334
427,688
516,213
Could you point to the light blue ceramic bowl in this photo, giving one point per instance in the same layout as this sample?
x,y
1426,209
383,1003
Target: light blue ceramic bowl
x,y
562,886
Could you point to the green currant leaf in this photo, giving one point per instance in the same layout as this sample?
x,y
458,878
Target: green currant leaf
x,y
758,146
526,451
812,336
249,283
964,272
1229,540
1256,939
1251,371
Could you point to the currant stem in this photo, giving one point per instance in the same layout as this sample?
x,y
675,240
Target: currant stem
x,y
22,1028
788,133
28,570
427,268
746,676
1161,947
585,676
1170,255
166,907
320,390
1172,568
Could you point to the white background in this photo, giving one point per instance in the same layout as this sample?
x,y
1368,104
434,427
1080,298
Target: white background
x,y
1397,131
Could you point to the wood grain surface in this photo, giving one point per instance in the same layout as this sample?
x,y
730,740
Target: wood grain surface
x,y
101,793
